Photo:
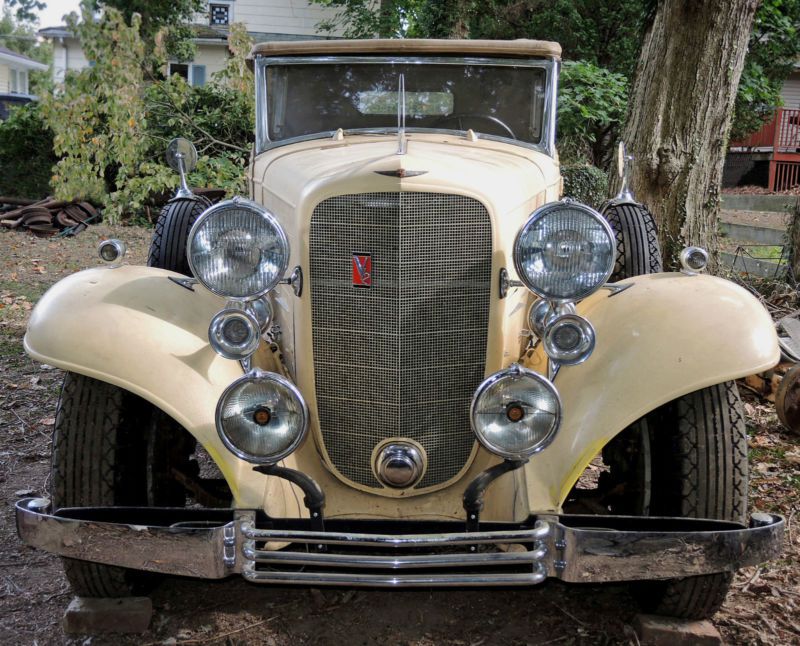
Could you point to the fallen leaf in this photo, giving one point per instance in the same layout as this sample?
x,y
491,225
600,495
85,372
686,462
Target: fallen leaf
x,y
766,467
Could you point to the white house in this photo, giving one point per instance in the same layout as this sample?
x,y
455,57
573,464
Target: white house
x,y
14,71
265,20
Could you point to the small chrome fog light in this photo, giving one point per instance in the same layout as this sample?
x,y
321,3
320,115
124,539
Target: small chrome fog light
x,y
111,250
262,417
262,311
234,333
693,260
542,312
515,412
569,339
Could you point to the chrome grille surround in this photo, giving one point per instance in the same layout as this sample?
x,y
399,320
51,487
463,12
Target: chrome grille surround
x,y
402,358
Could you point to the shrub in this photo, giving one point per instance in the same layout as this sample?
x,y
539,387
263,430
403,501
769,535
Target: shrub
x,y
584,183
26,154
591,109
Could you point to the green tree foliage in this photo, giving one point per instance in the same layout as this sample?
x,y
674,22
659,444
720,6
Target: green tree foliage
x,y
111,125
368,18
607,33
25,136
98,119
168,21
773,51
585,183
603,32
591,110
24,10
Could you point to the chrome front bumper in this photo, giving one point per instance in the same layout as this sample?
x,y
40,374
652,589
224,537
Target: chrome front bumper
x,y
214,544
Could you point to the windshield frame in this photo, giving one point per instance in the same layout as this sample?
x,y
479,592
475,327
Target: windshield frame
x,y
550,67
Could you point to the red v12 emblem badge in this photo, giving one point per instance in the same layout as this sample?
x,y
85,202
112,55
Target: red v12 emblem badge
x,y
362,270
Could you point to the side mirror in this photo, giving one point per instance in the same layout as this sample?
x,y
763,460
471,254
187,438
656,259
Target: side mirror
x,y
624,161
182,158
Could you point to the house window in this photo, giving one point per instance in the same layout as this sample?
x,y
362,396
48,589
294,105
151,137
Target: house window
x,y
18,81
220,14
191,73
181,69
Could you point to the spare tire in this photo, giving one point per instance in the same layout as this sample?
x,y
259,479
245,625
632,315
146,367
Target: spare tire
x,y
638,251
168,246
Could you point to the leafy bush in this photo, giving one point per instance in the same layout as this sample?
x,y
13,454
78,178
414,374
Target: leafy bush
x,y
111,126
26,154
587,184
591,109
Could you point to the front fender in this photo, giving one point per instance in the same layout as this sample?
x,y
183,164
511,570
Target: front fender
x,y
663,337
132,327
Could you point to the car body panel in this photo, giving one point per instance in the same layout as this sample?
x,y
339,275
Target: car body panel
x,y
135,328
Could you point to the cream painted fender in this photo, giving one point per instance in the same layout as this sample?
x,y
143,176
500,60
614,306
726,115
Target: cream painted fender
x,y
665,336
133,327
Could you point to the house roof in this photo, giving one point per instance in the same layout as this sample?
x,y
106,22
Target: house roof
x,y
55,32
389,46
20,60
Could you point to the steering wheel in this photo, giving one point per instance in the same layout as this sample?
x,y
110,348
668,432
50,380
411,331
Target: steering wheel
x,y
460,117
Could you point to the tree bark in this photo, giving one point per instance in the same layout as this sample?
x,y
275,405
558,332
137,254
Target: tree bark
x,y
679,115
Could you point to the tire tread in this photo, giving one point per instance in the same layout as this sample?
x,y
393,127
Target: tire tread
x,y
638,251
168,246
707,478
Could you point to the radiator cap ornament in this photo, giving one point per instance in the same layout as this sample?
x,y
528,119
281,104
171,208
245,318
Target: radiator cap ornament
x,y
399,464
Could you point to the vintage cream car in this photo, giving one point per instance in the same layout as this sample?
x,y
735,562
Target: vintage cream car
x,y
393,362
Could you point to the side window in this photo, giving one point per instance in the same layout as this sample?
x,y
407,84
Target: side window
x,y
13,80
198,74
181,69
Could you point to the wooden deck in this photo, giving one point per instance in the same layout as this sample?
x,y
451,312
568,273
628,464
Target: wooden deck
x,y
780,138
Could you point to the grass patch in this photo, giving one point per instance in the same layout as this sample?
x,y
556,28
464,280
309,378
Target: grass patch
x,y
11,352
29,291
772,253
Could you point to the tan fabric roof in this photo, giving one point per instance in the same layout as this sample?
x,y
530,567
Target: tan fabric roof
x,y
387,46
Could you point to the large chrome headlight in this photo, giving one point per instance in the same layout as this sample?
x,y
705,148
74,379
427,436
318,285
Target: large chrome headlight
x,y
237,249
262,417
515,412
565,251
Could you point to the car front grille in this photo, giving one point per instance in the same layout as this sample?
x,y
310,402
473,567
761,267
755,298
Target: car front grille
x,y
403,357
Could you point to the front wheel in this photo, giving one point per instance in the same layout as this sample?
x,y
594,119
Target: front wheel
x,y
103,446
638,251
688,459
168,246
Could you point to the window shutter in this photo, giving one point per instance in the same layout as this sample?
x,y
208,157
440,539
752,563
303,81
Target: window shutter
x,y
198,74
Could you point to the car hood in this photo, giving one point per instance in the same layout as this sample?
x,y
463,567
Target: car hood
x,y
504,176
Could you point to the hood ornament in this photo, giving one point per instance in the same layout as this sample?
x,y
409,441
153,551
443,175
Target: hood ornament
x,y
401,116
401,173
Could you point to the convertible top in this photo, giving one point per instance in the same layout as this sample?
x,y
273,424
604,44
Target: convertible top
x,y
521,48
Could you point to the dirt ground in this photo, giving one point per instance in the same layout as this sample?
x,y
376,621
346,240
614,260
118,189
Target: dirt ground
x,y
762,608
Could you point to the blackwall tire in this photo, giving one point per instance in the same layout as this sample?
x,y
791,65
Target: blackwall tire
x,y
638,251
101,443
697,469
168,246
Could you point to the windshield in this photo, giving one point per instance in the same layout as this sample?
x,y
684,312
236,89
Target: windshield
x,y
303,99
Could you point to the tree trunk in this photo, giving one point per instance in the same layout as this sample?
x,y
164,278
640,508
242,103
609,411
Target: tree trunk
x,y
680,112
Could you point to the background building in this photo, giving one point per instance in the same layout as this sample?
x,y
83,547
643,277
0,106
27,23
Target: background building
x,y
265,20
15,70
